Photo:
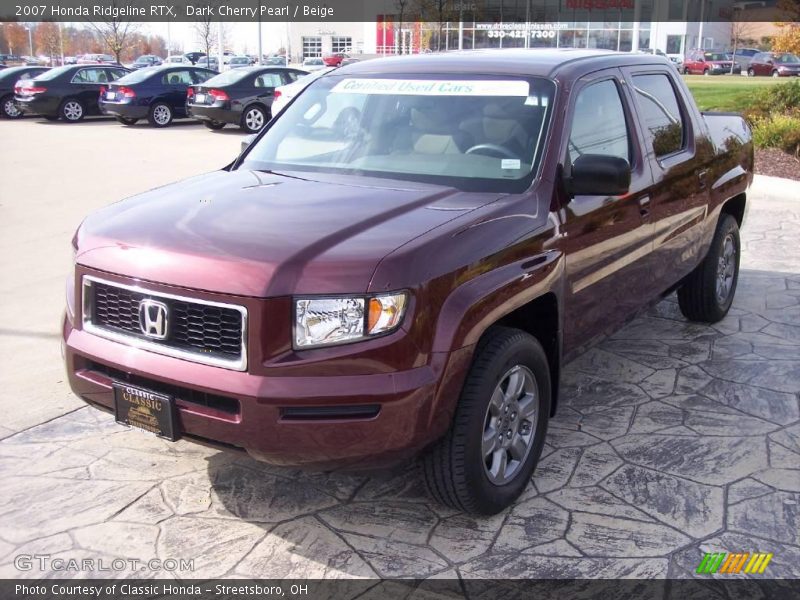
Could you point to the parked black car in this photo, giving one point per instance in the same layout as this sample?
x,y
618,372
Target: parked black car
x,y
156,93
240,97
146,60
194,56
8,78
69,92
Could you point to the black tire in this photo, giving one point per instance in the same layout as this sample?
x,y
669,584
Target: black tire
x,y
706,72
7,108
254,118
127,120
455,469
215,125
776,74
698,297
685,70
72,110
751,73
160,115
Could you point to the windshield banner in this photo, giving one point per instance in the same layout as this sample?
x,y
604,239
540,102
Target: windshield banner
x,y
429,87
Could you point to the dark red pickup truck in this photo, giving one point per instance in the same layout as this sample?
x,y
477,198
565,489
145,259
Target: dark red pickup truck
x,y
403,261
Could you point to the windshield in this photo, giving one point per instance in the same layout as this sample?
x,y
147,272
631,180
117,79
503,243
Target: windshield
x,y
138,76
474,134
716,56
53,73
788,58
228,77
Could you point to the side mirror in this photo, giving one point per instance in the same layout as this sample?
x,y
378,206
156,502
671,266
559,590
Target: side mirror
x,y
246,141
599,175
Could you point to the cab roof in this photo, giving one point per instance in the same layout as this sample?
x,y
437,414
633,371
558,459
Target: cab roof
x,y
541,62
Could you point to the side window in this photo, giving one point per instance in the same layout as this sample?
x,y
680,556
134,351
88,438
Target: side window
x,y
598,123
661,112
90,76
291,76
177,78
201,76
114,74
268,80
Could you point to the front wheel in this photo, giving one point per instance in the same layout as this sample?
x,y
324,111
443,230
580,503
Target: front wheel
x,y
127,120
253,119
776,74
486,459
9,109
160,115
72,110
707,293
751,73
706,72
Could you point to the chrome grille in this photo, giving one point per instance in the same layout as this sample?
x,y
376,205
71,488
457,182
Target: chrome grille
x,y
198,330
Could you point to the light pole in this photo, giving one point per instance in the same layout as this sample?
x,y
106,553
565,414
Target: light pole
x,y
30,39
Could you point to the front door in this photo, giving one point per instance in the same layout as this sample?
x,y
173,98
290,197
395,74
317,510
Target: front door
x,y
607,239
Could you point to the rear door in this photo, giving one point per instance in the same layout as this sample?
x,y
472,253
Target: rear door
x,y
265,85
607,239
86,84
174,84
680,155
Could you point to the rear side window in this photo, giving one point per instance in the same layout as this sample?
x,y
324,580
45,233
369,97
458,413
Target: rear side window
x,y
292,76
90,76
598,123
661,112
177,78
201,76
268,80
115,74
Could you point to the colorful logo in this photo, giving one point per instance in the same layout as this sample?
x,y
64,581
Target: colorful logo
x,y
742,562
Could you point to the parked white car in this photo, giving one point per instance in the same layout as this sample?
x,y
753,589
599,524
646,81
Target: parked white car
x,y
286,93
313,64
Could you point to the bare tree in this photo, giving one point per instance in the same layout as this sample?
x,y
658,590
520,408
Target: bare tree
x,y
48,39
206,31
740,30
115,33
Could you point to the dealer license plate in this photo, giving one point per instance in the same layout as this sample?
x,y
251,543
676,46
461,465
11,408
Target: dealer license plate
x,y
110,95
146,410
200,99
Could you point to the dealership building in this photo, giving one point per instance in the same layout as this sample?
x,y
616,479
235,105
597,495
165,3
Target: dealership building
x,y
671,26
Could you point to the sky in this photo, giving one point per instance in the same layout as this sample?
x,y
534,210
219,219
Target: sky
x,y
243,37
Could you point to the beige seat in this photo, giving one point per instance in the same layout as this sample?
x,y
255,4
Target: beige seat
x,y
431,132
497,126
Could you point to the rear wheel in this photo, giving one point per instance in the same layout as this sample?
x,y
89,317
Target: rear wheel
x,y
776,74
253,119
160,115
72,110
707,293
215,125
706,72
127,120
751,73
9,110
486,459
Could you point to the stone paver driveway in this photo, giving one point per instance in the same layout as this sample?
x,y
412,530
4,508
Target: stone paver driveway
x,y
673,439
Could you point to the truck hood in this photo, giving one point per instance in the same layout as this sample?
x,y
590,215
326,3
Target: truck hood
x,y
261,234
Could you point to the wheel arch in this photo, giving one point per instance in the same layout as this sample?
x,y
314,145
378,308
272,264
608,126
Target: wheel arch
x,y
736,207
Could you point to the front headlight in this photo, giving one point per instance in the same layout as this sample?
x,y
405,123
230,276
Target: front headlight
x,y
325,321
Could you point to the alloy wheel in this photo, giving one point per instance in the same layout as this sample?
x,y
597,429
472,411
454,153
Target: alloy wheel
x,y
726,268
254,119
9,109
73,110
509,425
162,114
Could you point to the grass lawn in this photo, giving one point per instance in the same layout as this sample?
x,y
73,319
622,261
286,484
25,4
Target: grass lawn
x,y
727,92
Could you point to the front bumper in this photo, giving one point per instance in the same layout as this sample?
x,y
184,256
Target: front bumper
x,y
317,416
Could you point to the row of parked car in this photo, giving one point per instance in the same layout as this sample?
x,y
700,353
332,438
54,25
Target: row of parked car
x,y
247,97
745,60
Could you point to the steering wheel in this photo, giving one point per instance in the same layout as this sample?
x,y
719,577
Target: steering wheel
x,y
501,150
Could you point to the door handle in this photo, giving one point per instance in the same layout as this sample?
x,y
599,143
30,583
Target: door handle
x,y
703,176
644,206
